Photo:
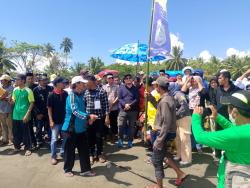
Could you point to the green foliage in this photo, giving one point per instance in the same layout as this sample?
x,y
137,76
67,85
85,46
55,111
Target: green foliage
x,y
66,45
48,50
77,67
176,61
5,63
95,65
26,54
122,68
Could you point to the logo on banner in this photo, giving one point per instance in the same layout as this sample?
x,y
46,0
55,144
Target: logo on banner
x,y
160,35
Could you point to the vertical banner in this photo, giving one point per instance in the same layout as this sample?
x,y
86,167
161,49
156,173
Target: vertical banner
x,y
160,44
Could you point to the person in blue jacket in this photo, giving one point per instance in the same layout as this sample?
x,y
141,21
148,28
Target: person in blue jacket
x,y
74,129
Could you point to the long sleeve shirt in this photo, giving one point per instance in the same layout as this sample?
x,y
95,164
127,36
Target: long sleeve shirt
x,y
41,97
130,96
75,105
165,120
233,139
98,94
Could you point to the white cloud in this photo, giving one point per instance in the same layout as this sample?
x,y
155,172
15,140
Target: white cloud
x,y
175,41
233,51
205,55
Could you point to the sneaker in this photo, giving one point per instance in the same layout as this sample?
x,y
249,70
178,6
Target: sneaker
x,y
120,143
53,161
28,153
176,158
183,163
130,144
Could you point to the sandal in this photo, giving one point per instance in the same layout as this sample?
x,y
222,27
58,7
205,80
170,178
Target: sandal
x,y
28,153
178,182
68,174
88,174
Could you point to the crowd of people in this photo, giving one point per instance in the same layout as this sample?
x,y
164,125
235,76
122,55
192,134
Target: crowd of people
x,y
184,112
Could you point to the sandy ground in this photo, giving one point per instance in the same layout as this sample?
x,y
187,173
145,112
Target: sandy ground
x,y
35,171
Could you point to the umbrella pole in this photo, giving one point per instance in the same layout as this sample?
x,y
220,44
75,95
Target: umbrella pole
x,y
137,64
147,71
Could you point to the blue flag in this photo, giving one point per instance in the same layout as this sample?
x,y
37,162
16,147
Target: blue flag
x,y
160,43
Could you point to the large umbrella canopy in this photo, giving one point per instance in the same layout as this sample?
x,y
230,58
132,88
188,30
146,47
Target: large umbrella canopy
x,y
108,71
135,52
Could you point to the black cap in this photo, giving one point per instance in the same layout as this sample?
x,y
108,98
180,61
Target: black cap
x,y
29,74
20,77
57,80
239,99
126,75
90,77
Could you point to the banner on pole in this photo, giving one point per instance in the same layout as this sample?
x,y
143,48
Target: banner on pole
x,y
160,43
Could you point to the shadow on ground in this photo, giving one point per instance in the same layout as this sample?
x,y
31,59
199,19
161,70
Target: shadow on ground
x,y
193,181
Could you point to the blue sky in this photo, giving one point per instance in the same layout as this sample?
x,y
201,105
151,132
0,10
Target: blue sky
x,y
98,26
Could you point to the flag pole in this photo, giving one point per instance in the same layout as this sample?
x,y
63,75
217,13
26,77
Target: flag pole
x,y
147,70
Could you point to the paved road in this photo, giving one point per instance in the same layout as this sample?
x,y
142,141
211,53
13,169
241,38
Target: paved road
x,y
35,171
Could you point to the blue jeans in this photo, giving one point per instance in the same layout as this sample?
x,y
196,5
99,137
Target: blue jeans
x,y
55,132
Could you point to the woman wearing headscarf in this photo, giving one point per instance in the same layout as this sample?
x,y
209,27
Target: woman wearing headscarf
x,y
197,95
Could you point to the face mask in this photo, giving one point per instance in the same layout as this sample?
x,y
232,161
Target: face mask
x,y
231,118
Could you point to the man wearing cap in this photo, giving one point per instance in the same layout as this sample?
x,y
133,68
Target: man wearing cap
x,y
56,111
112,92
6,109
97,103
128,97
234,139
165,124
41,93
23,100
74,129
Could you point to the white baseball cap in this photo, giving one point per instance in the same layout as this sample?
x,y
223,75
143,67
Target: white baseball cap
x,y
77,79
5,77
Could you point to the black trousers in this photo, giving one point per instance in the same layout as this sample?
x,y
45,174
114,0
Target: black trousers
x,y
95,137
79,141
21,133
113,115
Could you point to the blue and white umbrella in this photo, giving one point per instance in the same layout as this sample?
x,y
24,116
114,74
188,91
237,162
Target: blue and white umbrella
x,y
135,52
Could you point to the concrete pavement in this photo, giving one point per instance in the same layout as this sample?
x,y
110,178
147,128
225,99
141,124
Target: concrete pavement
x,y
35,171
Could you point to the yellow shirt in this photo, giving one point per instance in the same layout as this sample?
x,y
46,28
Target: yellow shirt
x,y
152,109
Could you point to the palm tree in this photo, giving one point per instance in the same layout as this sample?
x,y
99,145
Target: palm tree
x,y
5,63
95,65
237,66
48,50
176,61
67,46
